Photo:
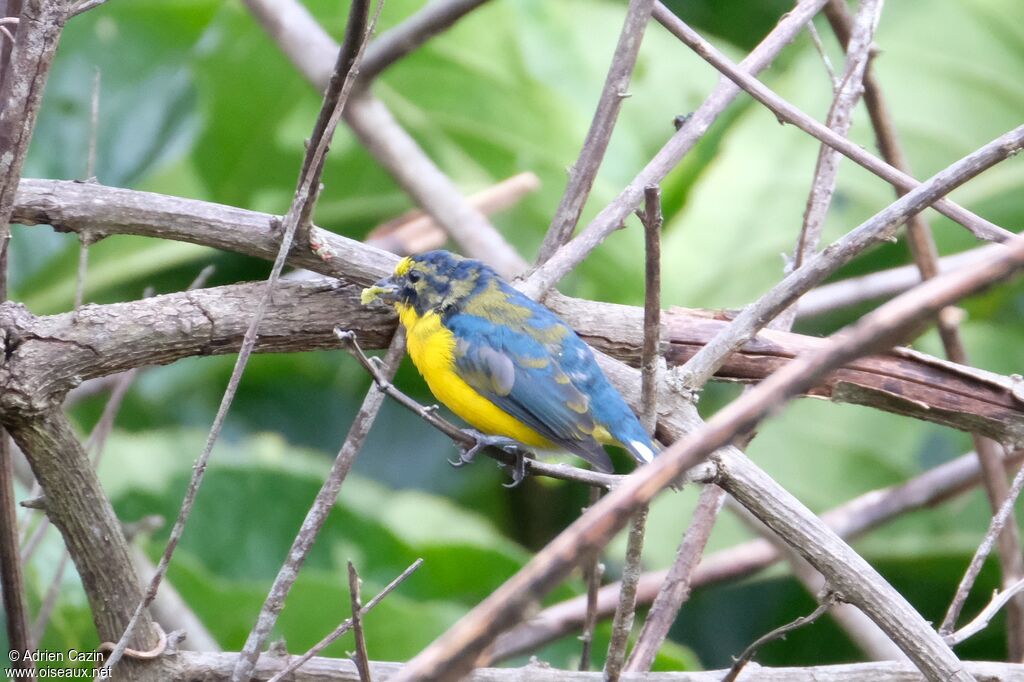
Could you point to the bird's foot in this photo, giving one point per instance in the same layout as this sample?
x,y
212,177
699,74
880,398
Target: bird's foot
x,y
467,455
518,468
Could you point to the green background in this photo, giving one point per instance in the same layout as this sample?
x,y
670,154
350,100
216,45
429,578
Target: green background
x,y
196,101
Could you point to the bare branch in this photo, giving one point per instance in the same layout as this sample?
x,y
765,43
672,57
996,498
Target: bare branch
x,y
749,653
981,621
745,77
362,659
995,526
675,589
217,667
622,623
593,571
584,171
12,582
21,92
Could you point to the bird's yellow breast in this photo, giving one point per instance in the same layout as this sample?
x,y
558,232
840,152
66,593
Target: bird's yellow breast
x,y
432,349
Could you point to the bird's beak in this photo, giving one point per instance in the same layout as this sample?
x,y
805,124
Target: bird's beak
x,y
384,292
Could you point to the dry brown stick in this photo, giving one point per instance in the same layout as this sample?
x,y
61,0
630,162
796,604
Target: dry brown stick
x,y
305,197
362,659
622,623
880,227
847,93
745,77
749,653
296,662
849,520
317,514
925,255
839,119
12,581
593,570
21,92
455,652
584,171
675,588
974,568
613,215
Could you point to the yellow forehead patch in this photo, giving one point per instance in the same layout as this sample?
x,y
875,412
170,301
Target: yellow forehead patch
x,y
403,266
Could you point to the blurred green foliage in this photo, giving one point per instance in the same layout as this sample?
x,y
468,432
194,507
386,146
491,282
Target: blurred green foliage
x,y
197,101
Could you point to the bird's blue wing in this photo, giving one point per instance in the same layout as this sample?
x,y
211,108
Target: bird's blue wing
x,y
522,375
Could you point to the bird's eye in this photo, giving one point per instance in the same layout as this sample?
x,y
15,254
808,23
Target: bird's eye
x,y
414,276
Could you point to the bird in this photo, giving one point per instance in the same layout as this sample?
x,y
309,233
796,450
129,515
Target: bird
x,y
506,364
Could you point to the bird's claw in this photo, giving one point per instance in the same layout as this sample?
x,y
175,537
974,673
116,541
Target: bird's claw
x,y
467,455
518,468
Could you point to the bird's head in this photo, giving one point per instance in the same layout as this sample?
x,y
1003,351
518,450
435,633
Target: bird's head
x,y
436,280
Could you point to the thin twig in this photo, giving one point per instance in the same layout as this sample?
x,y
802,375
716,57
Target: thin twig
x,y
584,171
974,568
745,78
593,571
675,589
318,513
50,600
461,437
362,659
775,634
622,623
981,621
826,62
346,625
304,196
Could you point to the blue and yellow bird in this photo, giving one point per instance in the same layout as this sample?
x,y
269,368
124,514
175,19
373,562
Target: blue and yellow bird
x,y
506,364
